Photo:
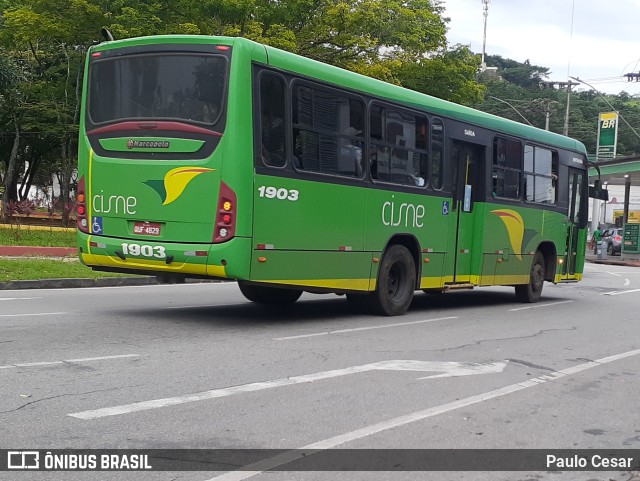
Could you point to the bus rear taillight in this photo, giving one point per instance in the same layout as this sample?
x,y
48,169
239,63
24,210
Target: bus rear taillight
x,y
81,208
225,227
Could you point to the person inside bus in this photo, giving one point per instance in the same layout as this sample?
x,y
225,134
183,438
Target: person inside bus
x,y
350,158
551,195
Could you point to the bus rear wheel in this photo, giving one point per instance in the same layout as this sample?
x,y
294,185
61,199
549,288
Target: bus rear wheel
x,y
532,291
271,296
396,282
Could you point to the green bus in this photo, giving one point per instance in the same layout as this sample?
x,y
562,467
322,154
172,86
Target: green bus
x,y
216,157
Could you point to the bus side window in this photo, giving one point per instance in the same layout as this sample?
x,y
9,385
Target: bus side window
x,y
507,161
540,168
327,131
272,119
399,146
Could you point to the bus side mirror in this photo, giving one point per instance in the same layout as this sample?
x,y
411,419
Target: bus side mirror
x,y
597,192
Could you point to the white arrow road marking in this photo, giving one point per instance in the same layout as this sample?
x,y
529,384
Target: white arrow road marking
x,y
469,369
616,293
448,369
627,282
284,458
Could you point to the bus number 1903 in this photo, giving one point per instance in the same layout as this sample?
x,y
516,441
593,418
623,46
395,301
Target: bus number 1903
x,y
144,250
281,193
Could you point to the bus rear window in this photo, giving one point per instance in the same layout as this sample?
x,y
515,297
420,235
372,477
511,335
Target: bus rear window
x,y
187,87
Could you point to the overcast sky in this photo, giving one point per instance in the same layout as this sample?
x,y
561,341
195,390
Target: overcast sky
x,y
604,44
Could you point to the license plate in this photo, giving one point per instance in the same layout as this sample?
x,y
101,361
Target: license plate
x,y
147,228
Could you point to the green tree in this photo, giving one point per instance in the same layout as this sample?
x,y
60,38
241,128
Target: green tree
x,y
400,41
11,103
449,75
50,37
397,41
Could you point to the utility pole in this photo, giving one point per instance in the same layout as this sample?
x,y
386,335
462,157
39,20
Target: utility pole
x,y
568,85
547,116
485,14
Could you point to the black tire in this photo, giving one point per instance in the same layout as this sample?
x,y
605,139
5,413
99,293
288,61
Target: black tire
x,y
271,296
610,249
532,291
396,282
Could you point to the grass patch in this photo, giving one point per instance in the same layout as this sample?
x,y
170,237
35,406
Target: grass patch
x,y
30,236
29,269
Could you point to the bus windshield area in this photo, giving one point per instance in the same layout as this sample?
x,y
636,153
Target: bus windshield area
x,y
183,87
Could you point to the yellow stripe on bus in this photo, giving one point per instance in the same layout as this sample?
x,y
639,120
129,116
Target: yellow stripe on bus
x,y
160,266
351,284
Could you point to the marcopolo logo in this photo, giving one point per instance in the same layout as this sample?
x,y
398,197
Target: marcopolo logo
x,y
148,144
23,459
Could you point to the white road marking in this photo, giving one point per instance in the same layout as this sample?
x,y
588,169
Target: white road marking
x,y
540,305
329,443
627,282
35,314
18,298
355,329
455,368
613,273
458,369
617,293
51,363
128,288
203,306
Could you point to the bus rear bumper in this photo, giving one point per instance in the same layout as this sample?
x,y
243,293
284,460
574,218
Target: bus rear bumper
x,y
223,261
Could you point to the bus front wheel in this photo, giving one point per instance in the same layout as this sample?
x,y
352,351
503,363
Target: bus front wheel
x,y
271,296
396,282
532,291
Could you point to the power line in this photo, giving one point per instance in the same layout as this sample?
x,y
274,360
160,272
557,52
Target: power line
x,y
609,104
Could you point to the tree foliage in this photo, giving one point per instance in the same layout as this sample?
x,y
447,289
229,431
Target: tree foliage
x,y
44,43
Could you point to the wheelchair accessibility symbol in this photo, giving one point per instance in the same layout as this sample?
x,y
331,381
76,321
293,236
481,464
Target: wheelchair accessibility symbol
x,y
96,225
445,207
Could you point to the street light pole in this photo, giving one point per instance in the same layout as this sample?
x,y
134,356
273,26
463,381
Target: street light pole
x,y
565,129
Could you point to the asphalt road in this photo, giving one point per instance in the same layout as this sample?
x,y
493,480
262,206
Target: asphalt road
x,y
198,366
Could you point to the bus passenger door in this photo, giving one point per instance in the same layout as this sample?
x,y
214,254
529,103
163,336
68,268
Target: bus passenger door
x,y
467,160
573,222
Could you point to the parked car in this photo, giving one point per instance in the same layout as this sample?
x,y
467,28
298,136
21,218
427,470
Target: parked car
x,y
612,241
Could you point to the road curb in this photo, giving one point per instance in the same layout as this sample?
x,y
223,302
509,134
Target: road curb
x,y
75,283
613,262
